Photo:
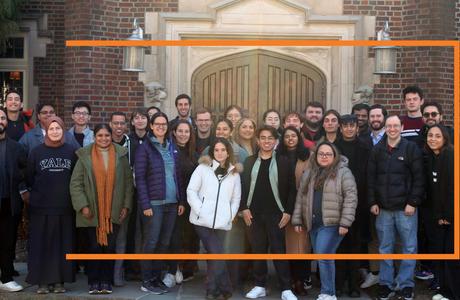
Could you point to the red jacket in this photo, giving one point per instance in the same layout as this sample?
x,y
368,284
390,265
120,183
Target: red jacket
x,y
27,117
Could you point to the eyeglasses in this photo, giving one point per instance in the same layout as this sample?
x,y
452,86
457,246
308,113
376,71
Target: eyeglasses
x,y
81,113
119,123
45,112
325,154
433,114
160,124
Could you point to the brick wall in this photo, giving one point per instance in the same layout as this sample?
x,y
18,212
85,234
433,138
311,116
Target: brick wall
x,y
429,67
49,70
94,73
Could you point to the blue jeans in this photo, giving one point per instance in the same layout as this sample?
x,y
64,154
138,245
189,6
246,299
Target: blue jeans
x,y
156,234
326,240
388,224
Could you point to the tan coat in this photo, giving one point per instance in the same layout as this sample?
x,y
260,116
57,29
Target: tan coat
x,y
339,199
297,243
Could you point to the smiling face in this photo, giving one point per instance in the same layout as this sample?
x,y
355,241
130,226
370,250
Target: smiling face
x,y
294,121
223,130
290,139
55,132
103,138
13,102
118,125
362,115
325,156
393,127
203,122
183,107
431,115
266,141
159,127
246,130
81,116
182,134
376,119
139,122
435,140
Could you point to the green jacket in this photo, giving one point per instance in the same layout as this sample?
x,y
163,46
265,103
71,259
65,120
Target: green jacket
x,y
83,186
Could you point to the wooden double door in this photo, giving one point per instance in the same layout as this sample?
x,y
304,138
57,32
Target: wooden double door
x,y
257,80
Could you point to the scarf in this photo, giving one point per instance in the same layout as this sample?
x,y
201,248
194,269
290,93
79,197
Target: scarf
x,y
49,142
104,186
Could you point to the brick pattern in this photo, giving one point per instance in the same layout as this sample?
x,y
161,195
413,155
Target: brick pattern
x,y
431,68
94,73
49,70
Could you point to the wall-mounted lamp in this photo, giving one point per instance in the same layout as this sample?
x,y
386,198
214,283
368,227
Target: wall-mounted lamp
x,y
385,56
133,57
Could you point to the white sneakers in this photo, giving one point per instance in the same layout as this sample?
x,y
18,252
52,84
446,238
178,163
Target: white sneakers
x,y
288,295
256,292
179,277
11,286
439,297
370,280
326,297
169,280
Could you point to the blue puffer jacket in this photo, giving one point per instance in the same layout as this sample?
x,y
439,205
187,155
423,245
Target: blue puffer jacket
x,y
149,170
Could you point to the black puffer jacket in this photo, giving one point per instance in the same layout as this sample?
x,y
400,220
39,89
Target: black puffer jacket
x,y
395,178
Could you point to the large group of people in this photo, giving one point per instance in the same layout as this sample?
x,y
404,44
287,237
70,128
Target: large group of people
x,y
315,181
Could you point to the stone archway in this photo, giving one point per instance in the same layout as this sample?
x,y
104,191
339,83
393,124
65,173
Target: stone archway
x,y
257,80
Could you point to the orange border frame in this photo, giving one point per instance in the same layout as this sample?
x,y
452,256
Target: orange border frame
x,y
413,43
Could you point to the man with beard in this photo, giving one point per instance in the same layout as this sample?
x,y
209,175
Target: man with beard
x,y
361,111
377,115
183,104
312,129
431,114
12,173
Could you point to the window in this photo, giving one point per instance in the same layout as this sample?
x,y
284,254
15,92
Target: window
x,y
14,48
11,80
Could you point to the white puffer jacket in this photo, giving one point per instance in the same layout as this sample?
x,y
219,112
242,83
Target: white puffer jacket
x,y
214,201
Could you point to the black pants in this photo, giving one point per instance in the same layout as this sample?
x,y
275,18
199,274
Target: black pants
x,y
447,272
217,273
300,269
349,269
8,233
100,271
264,233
